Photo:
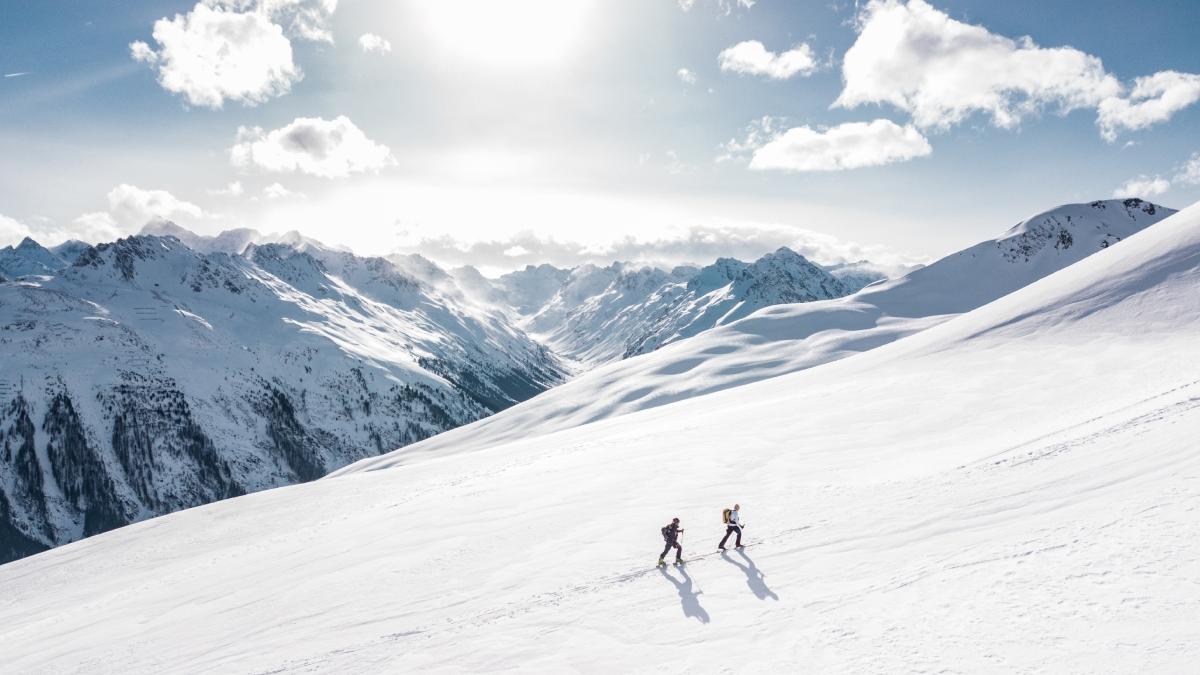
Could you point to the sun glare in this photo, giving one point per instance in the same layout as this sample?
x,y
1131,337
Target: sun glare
x,y
509,33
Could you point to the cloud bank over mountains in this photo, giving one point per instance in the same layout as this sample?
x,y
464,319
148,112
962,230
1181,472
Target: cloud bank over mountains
x,y
681,246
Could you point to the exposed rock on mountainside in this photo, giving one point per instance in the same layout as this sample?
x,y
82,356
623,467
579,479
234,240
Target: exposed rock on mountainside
x,y
149,377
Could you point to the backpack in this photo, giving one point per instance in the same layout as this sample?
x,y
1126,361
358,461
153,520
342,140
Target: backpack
x,y
725,516
666,532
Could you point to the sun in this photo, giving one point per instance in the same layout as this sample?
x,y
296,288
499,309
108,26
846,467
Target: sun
x,y
506,33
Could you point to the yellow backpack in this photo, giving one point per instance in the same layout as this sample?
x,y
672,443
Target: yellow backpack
x,y
725,516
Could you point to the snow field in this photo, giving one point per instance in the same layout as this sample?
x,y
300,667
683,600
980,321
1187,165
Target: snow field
x,y
1014,490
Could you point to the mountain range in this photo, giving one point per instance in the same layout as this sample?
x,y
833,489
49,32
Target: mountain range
x,y
171,369
785,338
148,377
1010,487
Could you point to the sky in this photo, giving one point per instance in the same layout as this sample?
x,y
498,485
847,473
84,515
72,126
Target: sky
x,y
501,133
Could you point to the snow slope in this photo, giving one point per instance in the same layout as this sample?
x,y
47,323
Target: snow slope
x,y
786,338
1011,490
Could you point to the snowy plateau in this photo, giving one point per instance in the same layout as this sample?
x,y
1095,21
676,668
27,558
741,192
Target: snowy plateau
x,y
987,464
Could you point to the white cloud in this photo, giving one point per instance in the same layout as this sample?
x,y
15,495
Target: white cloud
x,y
95,228
676,166
852,145
1189,174
131,206
372,43
1143,186
327,148
234,189
90,227
236,50
1149,186
278,191
303,19
686,76
752,58
212,54
129,209
140,51
758,133
726,6
1154,99
941,70
700,244
12,231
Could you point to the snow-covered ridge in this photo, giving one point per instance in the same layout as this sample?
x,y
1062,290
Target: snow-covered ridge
x,y
601,314
29,258
785,338
1013,489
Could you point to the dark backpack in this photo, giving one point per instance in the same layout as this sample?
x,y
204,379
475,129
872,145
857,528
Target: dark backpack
x,y
666,532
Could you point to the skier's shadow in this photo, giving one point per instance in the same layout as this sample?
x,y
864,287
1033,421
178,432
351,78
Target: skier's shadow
x,y
755,579
689,599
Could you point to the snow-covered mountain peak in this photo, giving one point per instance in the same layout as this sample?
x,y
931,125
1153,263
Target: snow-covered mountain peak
x,y
605,313
125,256
29,258
160,227
528,290
27,244
720,273
420,267
1122,216
69,250
859,274
299,268
780,276
1032,249
234,241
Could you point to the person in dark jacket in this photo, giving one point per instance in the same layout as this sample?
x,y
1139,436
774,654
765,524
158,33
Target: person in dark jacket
x,y
670,535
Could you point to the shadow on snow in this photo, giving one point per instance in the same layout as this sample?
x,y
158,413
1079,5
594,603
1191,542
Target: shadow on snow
x,y
688,598
755,579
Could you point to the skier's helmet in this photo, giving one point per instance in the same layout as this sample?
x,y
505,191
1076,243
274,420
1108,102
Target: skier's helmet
x,y
674,520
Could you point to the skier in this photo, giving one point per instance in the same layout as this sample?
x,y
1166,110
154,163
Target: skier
x,y
733,524
670,535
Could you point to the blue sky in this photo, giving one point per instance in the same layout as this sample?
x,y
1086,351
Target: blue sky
x,y
505,132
